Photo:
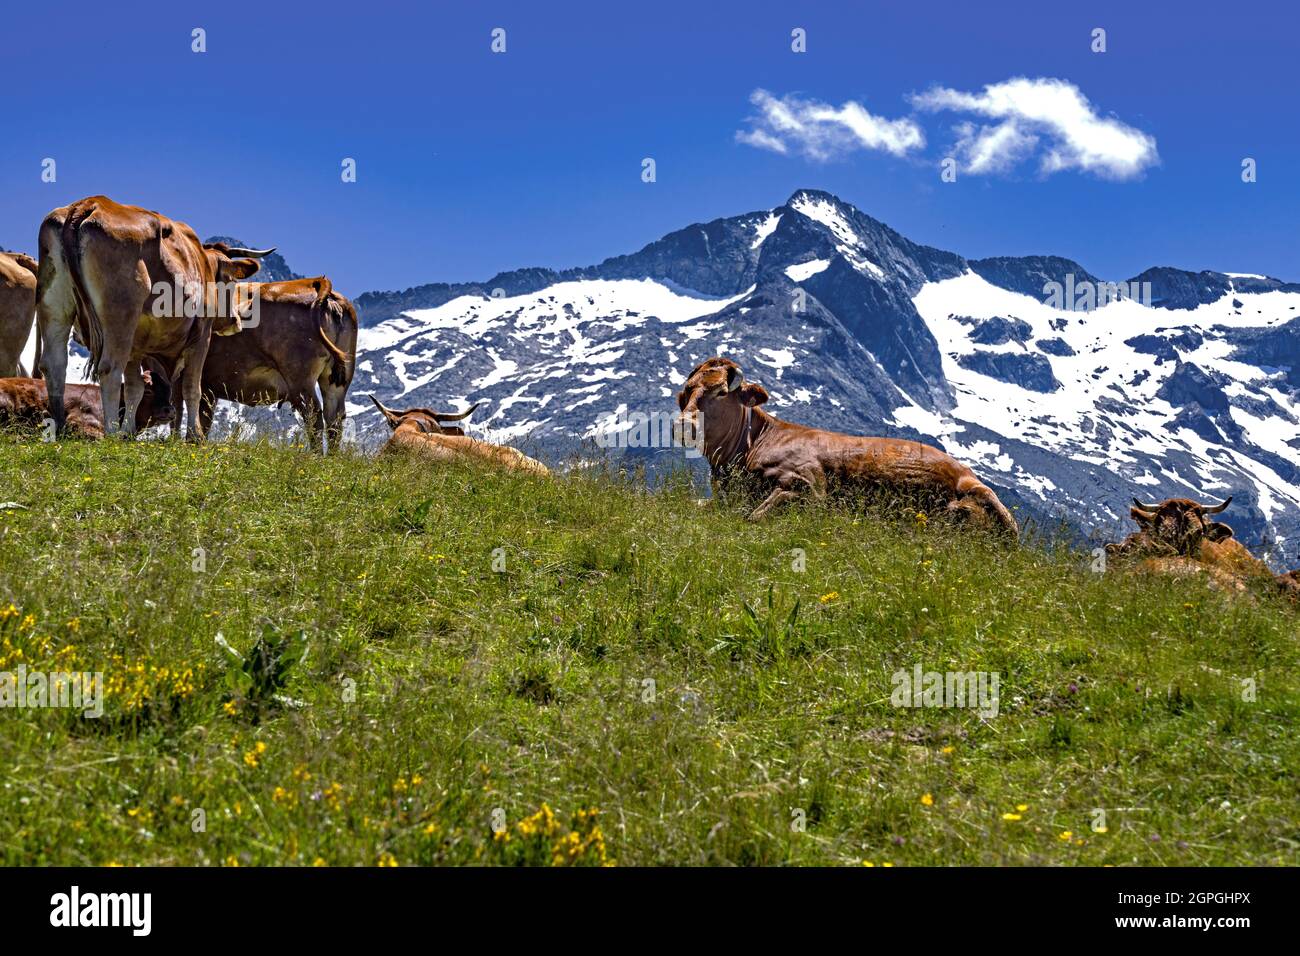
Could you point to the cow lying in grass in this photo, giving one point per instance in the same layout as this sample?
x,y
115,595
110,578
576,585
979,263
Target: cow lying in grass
x,y
423,431
1181,536
25,403
739,438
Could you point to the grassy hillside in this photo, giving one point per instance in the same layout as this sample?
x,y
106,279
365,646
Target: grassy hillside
x,y
386,691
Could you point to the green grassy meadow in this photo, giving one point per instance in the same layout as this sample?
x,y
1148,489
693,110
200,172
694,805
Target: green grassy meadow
x,y
632,680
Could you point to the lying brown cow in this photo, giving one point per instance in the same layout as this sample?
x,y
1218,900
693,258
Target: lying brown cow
x,y
422,431
17,308
1179,536
305,336
793,460
25,403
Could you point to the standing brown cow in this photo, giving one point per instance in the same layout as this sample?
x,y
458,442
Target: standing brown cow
x,y
792,460
17,308
304,336
136,284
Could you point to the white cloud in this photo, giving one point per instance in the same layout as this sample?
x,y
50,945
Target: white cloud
x,y
822,131
1048,111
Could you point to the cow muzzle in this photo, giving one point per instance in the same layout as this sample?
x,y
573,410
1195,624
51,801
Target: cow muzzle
x,y
688,430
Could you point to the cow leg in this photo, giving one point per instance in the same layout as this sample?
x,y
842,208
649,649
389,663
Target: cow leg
x,y
119,334
336,409
56,310
192,360
305,404
778,497
134,394
119,306
207,411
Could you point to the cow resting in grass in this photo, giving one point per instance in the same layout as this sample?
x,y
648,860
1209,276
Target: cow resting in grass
x,y
1183,537
17,309
423,432
720,415
136,285
24,404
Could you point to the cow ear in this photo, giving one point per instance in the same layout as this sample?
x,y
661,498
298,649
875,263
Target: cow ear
x,y
751,394
236,269
1217,531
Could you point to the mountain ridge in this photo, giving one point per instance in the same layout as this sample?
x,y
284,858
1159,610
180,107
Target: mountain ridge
x,y
853,327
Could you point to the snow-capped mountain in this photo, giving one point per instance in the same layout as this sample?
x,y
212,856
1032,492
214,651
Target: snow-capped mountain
x,y
1192,391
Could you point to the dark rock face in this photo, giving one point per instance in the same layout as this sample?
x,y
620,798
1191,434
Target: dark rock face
x,y
1054,346
1277,348
1033,372
1179,289
999,331
1190,385
274,268
1165,345
844,347
883,318
1029,274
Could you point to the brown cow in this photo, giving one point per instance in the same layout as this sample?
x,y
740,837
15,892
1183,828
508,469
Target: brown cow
x,y
1290,584
422,431
24,403
136,284
1178,536
739,438
17,308
305,335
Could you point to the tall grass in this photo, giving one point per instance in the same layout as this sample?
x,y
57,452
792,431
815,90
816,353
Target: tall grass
x,y
384,661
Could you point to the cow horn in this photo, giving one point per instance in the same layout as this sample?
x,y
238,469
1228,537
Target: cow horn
x,y
1217,509
1149,508
449,417
250,253
1147,513
735,378
387,412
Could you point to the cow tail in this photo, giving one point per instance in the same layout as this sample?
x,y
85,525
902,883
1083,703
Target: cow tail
x,y
88,324
340,366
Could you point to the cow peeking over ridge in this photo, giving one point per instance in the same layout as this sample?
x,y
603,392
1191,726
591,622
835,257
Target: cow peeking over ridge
x,y
720,415
422,431
1182,536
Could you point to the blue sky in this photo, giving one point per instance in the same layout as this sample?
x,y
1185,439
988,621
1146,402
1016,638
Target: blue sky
x,y
471,162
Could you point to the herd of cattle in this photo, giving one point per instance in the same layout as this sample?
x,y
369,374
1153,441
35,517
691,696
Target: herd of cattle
x,y
173,326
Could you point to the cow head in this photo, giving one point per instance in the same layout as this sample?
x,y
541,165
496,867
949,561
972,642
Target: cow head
x,y
231,264
156,407
424,419
713,404
1175,526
